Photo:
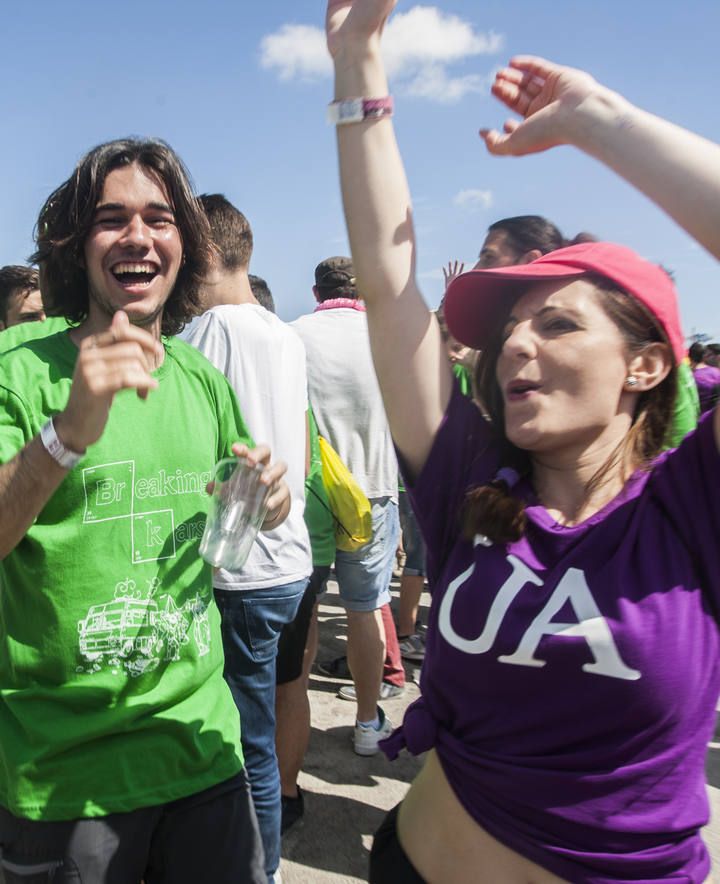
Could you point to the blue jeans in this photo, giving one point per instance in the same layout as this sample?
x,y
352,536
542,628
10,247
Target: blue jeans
x,y
252,621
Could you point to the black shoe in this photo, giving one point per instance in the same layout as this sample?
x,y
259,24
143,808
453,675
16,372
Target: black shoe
x,y
337,668
292,810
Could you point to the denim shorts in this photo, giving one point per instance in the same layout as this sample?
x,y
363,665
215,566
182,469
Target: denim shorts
x,y
413,543
364,575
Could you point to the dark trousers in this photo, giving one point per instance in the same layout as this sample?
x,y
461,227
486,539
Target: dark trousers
x,y
389,863
210,836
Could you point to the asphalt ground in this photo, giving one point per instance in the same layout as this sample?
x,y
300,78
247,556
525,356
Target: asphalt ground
x,y
347,796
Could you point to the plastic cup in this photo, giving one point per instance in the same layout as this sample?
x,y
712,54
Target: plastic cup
x,y
238,506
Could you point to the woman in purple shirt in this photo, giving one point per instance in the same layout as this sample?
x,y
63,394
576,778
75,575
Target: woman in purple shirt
x,y
571,669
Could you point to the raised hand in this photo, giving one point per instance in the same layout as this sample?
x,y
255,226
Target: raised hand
x,y
353,23
120,358
453,269
548,96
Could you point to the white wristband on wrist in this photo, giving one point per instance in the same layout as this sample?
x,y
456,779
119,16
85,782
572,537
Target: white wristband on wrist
x,y
64,457
355,110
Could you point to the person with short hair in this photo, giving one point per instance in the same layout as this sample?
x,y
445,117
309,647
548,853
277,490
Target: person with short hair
x,y
712,355
346,402
261,291
264,361
120,755
20,299
571,671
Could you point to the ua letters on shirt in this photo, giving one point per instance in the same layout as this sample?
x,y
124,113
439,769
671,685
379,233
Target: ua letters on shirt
x,y
572,588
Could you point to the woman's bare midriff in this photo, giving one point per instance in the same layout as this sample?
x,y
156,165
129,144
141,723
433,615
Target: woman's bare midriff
x,y
447,846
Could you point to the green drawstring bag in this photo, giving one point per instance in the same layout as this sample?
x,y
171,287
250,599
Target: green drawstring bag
x,y
349,505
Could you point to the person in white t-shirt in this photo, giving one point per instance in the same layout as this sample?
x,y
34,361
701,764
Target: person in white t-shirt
x,y
348,408
264,361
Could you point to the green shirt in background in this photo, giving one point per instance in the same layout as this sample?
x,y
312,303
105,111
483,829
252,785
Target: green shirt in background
x,y
687,406
30,331
464,378
111,659
318,517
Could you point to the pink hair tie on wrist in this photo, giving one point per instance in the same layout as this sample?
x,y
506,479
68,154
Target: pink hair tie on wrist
x,y
356,110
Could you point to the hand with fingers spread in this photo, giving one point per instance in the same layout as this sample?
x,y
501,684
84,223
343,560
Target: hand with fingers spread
x,y
548,96
278,502
453,269
120,358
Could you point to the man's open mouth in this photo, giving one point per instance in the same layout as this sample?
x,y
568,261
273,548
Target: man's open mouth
x,y
136,273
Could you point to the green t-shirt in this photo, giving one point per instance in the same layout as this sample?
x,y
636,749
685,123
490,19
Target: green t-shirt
x,y
687,406
318,517
30,331
111,656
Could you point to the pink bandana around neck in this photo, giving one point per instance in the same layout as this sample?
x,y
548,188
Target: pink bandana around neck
x,y
333,303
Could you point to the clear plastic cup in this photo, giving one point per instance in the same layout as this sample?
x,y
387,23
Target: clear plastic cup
x,y
238,506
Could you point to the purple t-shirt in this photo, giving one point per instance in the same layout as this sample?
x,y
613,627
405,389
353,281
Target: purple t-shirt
x,y
570,679
707,379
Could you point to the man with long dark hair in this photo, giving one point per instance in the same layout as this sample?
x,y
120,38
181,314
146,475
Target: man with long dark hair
x,y
120,756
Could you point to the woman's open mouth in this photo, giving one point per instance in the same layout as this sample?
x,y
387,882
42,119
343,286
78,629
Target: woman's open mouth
x,y
520,389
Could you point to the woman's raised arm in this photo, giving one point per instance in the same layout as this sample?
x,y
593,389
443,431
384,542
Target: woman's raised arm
x,y
410,362
678,170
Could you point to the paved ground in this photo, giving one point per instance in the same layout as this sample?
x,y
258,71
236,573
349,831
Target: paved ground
x,y
346,796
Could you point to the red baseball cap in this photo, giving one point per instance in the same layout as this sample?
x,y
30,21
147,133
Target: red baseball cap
x,y
474,300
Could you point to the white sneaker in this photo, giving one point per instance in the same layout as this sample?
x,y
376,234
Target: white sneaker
x,y
366,739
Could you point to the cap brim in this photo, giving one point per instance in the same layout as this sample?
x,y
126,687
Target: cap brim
x,y
475,301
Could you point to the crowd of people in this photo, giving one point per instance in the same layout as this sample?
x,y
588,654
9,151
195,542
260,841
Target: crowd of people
x,y
545,444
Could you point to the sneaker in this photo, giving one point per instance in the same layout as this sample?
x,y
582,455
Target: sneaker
x,y
336,668
292,810
412,648
387,691
366,739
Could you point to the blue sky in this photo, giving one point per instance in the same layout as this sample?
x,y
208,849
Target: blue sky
x,y
240,93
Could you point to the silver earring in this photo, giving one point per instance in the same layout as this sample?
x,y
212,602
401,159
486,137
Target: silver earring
x,y
631,381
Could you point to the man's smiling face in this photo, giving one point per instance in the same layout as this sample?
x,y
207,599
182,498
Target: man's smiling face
x,y
133,251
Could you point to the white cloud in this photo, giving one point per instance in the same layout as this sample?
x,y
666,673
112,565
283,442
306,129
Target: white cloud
x,y
296,51
425,35
474,199
419,46
432,82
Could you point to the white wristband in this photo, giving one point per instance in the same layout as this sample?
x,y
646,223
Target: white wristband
x,y
63,456
355,110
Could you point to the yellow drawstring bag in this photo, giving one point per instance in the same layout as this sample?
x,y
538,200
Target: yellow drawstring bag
x,y
349,505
